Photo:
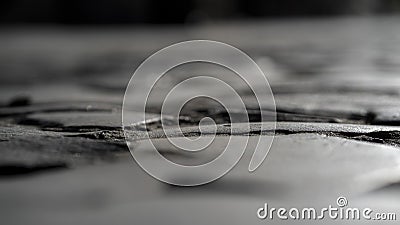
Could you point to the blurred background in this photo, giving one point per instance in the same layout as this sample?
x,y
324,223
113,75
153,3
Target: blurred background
x,y
102,12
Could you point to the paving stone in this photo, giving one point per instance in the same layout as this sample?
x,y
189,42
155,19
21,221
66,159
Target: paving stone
x,y
25,150
301,170
63,153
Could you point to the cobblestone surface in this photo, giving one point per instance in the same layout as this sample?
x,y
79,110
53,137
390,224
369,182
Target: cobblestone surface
x,y
63,153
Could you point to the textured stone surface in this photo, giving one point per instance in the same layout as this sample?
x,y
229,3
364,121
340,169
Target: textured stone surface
x,y
64,157
301,170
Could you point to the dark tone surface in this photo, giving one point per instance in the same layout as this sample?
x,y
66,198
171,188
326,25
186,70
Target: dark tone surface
x,y
74,12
